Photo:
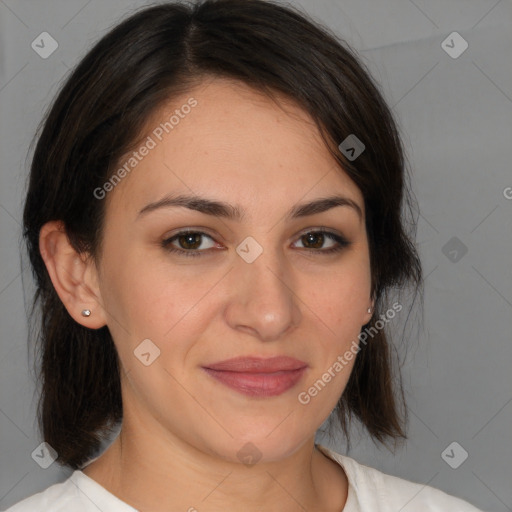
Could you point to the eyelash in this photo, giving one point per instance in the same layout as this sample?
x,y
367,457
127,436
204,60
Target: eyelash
x,y
166,244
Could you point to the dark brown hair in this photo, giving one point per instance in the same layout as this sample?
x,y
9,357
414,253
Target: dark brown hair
x,y
146,60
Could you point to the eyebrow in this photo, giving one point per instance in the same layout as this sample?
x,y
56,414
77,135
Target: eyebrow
x,y
230,212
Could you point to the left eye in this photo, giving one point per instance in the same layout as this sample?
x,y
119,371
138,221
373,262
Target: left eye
x,y
191,243
317,238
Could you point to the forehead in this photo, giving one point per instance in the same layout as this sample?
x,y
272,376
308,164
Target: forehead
x,y
232,141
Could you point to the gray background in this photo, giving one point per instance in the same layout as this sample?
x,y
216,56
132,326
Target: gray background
x,y
456,118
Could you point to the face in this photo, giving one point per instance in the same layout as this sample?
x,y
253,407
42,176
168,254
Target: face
x,y
280,289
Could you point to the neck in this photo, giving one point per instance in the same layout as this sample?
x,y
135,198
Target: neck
x,y
149,474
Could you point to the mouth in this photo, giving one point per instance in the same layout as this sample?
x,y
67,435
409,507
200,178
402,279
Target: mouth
x,y
258,377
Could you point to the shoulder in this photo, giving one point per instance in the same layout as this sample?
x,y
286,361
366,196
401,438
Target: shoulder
x,y
58,497
78,493
375,491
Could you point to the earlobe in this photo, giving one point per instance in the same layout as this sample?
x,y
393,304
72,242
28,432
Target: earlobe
x,y
73,275
369,312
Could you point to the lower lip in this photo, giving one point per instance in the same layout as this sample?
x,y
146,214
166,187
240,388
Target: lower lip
x,y
258,384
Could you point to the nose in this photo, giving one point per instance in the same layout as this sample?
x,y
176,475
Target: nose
x,y
263,302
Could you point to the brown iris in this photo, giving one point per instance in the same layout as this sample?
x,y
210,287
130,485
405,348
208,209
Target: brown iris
x,y
311,237
190,240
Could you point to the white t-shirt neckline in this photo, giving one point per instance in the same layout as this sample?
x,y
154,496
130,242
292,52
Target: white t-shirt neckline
x,y
369,490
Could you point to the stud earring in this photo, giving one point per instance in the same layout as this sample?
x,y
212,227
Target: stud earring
x,y
369,310
86,312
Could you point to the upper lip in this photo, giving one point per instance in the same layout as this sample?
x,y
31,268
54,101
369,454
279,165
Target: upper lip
x,y
258,364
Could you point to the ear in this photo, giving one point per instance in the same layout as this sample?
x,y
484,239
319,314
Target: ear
x,y
74,275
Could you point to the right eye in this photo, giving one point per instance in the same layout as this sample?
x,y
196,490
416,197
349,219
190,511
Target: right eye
x,y
190,242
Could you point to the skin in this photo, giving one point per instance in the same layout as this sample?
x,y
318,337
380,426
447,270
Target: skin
x,y
182,429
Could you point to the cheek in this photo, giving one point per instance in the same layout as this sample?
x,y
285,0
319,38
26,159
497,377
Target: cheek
x,y
340,308
343,299
167,304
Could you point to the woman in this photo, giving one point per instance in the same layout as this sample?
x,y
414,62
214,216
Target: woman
x,y
214,220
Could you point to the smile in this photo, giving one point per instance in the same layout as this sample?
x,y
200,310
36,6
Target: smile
x,y
257,377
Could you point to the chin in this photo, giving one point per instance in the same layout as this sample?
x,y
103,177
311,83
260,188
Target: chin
x,y
257,446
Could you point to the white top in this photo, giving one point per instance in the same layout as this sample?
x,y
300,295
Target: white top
x,y
369,491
